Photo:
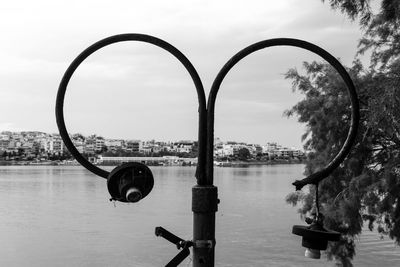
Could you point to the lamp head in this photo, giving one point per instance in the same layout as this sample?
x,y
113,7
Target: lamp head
x,y
130,182
315,238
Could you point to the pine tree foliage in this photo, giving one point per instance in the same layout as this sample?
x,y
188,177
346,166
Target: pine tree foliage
x,y
365,189
354,9
381,30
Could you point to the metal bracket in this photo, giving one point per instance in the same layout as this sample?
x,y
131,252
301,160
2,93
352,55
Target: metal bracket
x,y
204,244
181,244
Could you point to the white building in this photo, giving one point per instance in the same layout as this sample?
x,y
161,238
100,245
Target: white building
x,y
56,145
113,144
99,144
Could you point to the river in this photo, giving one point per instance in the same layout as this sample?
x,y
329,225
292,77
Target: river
x,y
62,216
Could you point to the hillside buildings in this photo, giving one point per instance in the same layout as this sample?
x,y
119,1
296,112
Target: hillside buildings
x,y
270,150
39,145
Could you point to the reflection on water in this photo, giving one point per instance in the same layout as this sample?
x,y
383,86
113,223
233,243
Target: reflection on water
x,y
62,216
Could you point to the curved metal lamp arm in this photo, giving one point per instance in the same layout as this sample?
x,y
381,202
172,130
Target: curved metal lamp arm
x,y
205,197
355,116
121,38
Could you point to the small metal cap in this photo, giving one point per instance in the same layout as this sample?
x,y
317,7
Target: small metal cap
x,y
312,253
133,195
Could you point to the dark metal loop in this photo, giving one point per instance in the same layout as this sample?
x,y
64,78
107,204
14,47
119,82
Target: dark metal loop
x,y
351,136
121,38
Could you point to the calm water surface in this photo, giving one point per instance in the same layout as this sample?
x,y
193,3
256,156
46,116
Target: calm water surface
x,y
62,216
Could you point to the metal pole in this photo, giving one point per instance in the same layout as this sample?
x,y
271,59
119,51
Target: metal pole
x,y
204,206
204,202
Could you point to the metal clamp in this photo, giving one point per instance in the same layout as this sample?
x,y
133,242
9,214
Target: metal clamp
x,y
204,244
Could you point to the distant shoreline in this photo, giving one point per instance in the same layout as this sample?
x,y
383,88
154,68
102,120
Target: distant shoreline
x,y
32,163
258,163
217,163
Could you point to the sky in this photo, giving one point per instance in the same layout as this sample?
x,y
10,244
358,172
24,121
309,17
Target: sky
x,y
134,90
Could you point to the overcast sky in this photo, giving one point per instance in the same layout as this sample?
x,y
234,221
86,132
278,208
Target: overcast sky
x,y
138,91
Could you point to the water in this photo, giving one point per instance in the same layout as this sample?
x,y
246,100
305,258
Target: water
x,y
61,216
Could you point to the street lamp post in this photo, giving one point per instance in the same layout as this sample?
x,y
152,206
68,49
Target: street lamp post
x,y
131,182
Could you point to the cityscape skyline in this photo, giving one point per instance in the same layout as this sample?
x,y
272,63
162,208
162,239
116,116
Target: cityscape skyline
x,y
33,147
217,140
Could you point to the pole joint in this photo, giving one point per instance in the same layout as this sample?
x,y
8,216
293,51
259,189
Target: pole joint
x,y
205,199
